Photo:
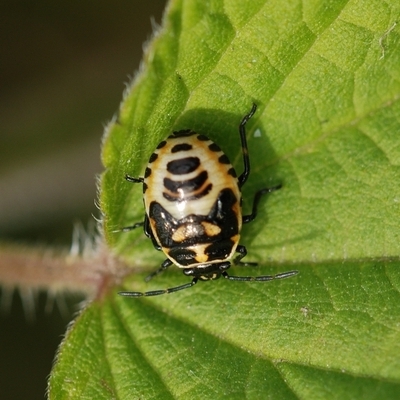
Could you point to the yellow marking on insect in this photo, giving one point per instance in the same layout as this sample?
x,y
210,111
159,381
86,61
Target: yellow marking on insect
x,y
211,229
185,232
201,257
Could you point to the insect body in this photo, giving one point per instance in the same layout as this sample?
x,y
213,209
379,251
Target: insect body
x,y
192,198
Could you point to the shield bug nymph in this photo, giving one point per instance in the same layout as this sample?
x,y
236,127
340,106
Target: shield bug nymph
x,y
193,213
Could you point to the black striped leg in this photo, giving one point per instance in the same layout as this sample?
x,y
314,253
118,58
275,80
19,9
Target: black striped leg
x,y
131,227
133,180
245,151
248,218
242,253
261,278
161,291
137,224
167,263
146,228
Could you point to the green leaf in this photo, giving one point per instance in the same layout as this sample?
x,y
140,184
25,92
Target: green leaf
x,y
326,78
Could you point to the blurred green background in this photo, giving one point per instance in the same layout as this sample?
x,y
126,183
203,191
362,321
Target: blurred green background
x,y
63,69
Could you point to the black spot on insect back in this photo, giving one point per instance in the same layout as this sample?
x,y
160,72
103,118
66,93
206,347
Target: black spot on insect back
x,y
232,172
181,147
183,166
184,133
219,250
183,256
153,157
161,144
187,186
214,147
224,159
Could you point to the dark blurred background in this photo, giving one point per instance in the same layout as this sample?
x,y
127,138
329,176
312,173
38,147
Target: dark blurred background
x,y
63,69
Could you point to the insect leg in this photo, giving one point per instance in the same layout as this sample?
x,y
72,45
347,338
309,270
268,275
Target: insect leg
x,y
261,278
145,224
133,180
257,197
131,227
242,253
147,231
161,291
166,263
245,151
